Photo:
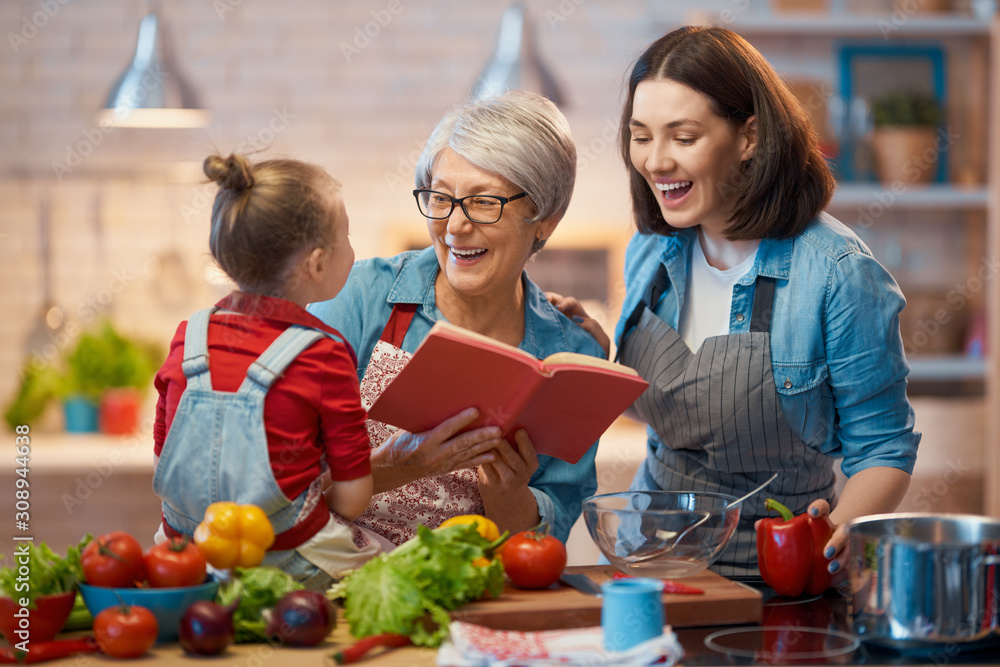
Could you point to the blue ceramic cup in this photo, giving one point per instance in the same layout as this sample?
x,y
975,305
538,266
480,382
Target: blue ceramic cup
x,y
631,612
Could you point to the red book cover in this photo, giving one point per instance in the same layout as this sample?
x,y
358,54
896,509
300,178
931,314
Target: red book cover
x,y
565,401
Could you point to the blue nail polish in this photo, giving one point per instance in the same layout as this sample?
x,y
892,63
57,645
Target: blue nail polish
x,y
577,319
814,511
829,552
834,566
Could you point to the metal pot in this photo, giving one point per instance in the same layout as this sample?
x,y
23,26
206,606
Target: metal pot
x,y
925,579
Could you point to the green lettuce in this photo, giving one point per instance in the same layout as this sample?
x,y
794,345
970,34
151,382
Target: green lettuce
x,y
43,573
258,588
410,590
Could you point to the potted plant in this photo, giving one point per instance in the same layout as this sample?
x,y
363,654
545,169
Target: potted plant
x,y
100,382
904,140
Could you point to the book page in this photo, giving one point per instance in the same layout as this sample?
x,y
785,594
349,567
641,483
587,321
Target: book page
x,y
577,359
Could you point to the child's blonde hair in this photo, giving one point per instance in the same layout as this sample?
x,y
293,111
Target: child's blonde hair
x,y
264,215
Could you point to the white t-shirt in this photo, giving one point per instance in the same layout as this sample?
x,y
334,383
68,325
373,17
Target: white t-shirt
x,y
709,297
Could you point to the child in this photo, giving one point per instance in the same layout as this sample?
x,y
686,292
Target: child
x,y
259,401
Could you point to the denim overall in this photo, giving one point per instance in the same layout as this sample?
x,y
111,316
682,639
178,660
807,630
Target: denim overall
x,y
217,449
717,415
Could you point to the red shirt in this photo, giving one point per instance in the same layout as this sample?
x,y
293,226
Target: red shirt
x,y
313,410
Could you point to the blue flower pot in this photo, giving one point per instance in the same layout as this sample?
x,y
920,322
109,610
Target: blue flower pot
x,y
81,415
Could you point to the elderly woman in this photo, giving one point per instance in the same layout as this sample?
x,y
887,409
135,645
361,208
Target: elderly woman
x,y
493,182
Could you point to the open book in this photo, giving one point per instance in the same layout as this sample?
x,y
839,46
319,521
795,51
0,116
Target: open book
x,y
565,401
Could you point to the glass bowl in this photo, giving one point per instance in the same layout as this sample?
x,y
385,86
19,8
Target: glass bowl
x,y
661,534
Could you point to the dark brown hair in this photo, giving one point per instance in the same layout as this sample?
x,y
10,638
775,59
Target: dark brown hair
x,y
264,215
787,182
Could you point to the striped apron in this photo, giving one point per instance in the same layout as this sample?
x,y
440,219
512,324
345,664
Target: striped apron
x,y
717,415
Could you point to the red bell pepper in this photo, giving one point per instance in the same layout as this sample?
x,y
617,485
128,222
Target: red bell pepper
x,y
790,552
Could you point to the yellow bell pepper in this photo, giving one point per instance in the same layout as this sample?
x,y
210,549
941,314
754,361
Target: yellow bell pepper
x,y
232,535
485,527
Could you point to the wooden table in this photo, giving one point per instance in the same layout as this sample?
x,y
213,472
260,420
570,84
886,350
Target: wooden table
x,y
691,638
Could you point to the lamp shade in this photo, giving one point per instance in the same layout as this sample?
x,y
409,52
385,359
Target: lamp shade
x,y
515,63
151,91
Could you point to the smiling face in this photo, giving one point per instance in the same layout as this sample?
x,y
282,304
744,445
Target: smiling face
x,y
480,260
689,155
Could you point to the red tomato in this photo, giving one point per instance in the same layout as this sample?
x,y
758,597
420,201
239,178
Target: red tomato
x,y
124,631
176,562
533,558
113,560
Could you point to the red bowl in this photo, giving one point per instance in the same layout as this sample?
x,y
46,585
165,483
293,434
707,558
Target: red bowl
x,y
44,621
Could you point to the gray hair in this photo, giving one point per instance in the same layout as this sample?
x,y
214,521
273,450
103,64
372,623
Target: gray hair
x,y
521,136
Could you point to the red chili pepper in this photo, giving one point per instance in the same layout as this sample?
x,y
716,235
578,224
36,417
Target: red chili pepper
x,y
53,650
355,651
790,552
669,585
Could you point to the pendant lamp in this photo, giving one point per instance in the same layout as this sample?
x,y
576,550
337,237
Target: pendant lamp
x,y
151,92
515,62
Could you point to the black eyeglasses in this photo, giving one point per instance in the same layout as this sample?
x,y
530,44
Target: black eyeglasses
x,y
485,209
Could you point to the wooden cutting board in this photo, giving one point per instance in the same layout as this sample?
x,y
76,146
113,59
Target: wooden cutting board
x,y
725,602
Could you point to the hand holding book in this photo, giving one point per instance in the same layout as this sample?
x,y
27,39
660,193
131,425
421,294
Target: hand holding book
x,y
565,401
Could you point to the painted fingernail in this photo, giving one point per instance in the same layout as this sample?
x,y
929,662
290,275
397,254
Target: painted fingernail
x,y
814,511
833,567
577,319
829,551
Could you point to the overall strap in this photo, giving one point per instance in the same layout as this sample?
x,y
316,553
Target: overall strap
x,y
399,321
654,293
195,364
763,305
275,359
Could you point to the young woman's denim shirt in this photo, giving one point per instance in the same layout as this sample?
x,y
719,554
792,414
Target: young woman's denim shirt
x,y
361,310
836,350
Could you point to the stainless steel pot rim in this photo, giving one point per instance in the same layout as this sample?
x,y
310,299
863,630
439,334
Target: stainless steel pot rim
x,y
851,642
861,524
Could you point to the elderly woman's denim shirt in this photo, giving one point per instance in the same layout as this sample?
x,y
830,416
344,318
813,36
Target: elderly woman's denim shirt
x,y
836,350
362,308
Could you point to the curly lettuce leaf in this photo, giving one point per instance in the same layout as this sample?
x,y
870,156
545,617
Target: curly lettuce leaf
x,y
410,590
258,588
38,570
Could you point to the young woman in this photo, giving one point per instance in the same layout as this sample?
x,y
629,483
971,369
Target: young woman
x,y
768,332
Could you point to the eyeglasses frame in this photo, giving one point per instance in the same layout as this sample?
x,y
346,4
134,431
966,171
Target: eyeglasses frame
x,y
461,203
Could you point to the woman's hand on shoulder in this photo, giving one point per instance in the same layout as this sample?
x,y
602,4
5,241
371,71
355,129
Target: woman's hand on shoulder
x,y
406,457
571,308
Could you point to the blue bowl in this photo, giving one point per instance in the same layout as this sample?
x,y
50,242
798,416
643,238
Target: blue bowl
x,y
167,604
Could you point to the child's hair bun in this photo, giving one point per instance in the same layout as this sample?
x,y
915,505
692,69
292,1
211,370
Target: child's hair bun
x,y
232,173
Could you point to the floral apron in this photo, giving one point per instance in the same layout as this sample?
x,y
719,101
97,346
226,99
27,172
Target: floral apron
x,y
393,516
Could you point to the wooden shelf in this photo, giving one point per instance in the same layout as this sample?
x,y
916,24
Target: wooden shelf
x,y
925,197
946,376
854,25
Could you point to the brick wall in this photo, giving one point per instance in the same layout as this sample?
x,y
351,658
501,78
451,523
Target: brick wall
x,y
353,86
